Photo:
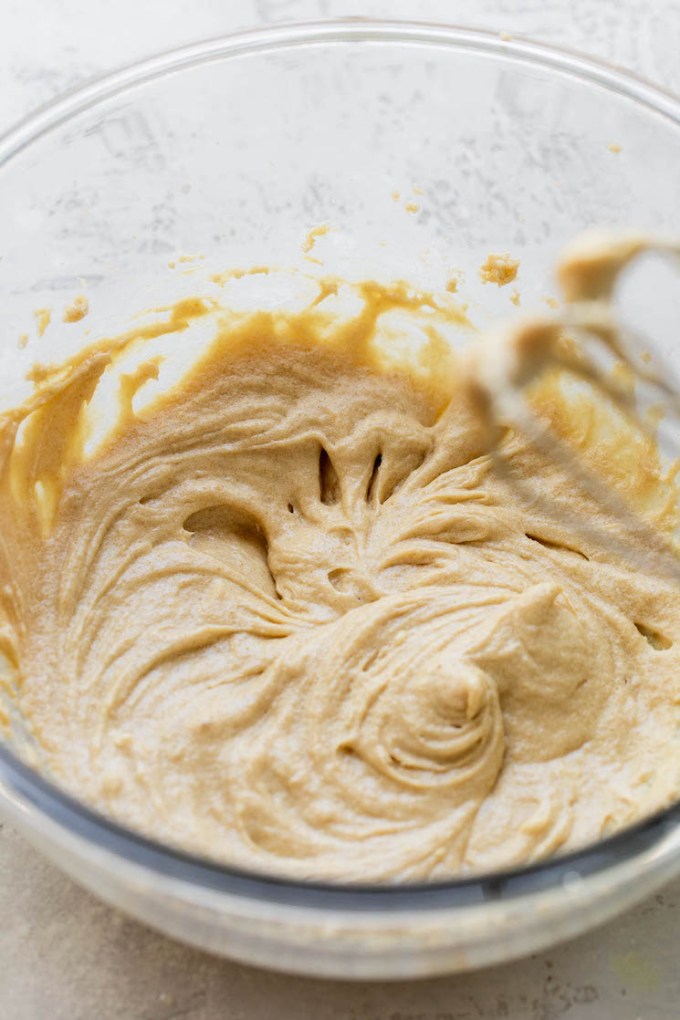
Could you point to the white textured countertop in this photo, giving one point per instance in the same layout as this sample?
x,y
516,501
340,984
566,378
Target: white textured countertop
x,y
65,956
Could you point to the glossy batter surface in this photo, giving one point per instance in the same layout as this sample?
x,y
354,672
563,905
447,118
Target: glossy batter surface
x,y
288,616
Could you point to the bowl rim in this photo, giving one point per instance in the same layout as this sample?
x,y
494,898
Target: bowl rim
x,y
99,88
29,790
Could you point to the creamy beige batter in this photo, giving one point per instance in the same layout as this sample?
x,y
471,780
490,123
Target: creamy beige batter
x,y
288,616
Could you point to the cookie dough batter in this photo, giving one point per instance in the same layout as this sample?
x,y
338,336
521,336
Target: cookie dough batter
x,y
287,615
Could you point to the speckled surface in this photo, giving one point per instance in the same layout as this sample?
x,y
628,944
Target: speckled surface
x,y
65,956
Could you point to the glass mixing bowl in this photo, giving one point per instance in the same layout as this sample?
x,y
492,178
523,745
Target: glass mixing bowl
x,y
424,148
